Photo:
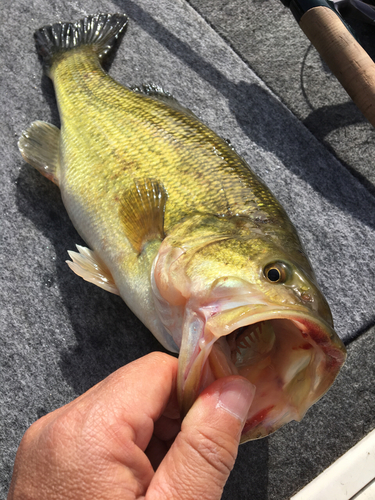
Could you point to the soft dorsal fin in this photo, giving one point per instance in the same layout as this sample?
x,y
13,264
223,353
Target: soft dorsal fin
x,y
89,266
39,145
142,212
162,95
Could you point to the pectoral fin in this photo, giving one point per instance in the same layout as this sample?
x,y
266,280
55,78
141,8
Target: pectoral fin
x,y
89,266
39,145
142,212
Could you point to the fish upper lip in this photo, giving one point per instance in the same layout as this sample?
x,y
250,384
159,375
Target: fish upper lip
x,y
261,312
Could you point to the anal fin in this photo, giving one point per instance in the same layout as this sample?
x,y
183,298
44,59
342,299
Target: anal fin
x,y
39,146
142,212
89,266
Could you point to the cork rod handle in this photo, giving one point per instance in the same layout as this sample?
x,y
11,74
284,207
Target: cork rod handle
x,y
348,61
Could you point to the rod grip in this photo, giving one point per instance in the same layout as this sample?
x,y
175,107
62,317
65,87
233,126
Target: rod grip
x,y
348,61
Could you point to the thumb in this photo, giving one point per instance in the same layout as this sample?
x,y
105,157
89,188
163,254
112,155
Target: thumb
x,y
201,458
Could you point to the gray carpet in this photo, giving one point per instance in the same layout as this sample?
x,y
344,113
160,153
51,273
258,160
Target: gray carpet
x,y
248,72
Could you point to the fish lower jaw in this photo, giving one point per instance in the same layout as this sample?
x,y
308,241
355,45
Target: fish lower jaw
x,y
291,361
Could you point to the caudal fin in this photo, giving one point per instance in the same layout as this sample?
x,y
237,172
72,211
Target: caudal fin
x,y
100,32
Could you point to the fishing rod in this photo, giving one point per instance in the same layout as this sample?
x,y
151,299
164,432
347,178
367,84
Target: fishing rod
x,y
343,54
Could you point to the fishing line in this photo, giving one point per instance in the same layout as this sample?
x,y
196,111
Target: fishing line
x,y
303,65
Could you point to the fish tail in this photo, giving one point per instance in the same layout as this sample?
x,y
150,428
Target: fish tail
x,y
101,32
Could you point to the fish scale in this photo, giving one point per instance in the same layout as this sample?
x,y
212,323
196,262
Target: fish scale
x,y
189,171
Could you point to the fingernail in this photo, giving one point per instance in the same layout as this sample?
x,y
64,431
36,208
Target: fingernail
x,y
236,397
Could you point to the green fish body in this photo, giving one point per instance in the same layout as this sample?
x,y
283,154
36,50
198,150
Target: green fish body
x,y
183,230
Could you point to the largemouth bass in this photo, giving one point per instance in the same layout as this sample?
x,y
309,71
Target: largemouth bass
x,y
179,226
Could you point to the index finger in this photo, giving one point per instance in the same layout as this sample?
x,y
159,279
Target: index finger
x,y
130,399
139,392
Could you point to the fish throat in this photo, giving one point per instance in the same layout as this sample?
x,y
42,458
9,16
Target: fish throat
x,y
252,345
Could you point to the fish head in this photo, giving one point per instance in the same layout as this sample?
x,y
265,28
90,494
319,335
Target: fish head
x,y
246,307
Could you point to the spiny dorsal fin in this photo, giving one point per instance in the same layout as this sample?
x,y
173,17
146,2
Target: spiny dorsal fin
x,y
89,266
39,145
162,95
100,31
142,212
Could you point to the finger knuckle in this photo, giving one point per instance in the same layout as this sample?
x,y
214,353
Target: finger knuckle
x,y
33,433
217,449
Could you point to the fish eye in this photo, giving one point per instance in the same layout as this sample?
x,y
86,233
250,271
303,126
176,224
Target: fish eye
x,y
276,272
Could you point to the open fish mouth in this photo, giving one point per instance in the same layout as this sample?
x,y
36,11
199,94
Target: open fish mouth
x,y
290,356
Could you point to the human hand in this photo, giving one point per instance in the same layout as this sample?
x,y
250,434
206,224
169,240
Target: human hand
x,y
123,439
